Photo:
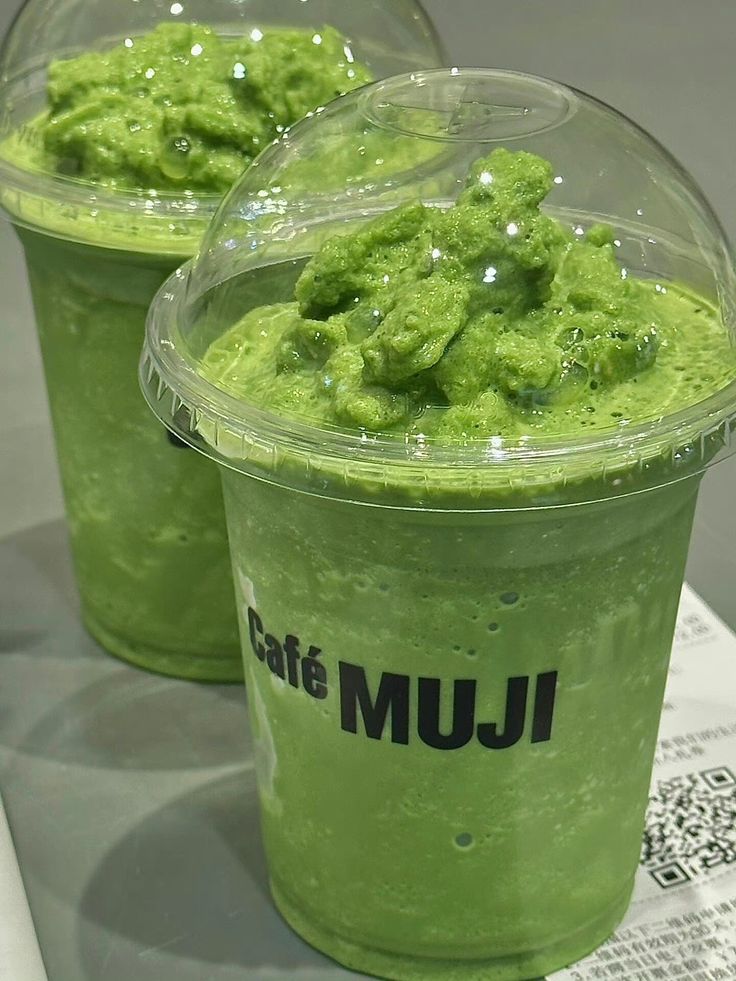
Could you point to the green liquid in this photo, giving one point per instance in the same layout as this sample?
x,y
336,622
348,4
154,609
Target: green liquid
x,y
145,516
407,861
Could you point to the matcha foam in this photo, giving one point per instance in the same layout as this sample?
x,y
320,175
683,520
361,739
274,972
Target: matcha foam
x,y
181,107
488,318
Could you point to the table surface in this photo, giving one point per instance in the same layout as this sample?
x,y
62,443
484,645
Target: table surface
x,y
132,798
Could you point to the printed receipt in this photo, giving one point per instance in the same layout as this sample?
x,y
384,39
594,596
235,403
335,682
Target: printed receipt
x,y
20,957
682,921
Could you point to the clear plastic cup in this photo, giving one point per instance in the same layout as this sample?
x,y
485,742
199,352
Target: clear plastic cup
x,y
455,652
145,514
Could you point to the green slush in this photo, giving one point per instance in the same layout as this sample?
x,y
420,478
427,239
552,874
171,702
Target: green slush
x,y
461,452
115,180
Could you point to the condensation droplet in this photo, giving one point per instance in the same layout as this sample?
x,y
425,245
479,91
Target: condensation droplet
x,y
175,159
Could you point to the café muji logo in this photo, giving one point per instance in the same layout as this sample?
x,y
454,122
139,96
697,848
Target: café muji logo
x,y
400,708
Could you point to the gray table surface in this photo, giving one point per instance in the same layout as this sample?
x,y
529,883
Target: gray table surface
x,y
132,798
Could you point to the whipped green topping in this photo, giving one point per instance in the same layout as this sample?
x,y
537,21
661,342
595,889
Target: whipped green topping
x,y
182,107
488,318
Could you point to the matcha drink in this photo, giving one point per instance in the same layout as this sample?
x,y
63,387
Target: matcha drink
x,y
113,160
478,422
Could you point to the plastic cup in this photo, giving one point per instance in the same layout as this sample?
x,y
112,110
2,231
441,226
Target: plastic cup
x,y
145,514
455,654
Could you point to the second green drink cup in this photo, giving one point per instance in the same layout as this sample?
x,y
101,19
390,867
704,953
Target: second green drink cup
x,y
101,234
455,650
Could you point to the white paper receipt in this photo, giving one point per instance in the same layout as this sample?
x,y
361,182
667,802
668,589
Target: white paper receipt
x,y
682,921
20,956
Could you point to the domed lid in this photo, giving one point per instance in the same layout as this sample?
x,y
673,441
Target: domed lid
x,y
115,115
450,279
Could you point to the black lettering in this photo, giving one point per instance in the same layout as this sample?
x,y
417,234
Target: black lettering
x,y
393,694
275,656
255,627
291,648
513,730
314,675
544,707
463,714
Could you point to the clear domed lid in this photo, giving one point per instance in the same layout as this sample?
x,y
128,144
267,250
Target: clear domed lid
x,y
152,108
571,200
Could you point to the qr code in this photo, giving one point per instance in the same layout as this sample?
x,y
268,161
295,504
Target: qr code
x,y
691,827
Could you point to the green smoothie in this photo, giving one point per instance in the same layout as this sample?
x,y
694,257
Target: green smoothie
x,y
455,674
151,132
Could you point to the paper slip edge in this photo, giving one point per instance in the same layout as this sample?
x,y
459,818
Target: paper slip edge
x,y
20,955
